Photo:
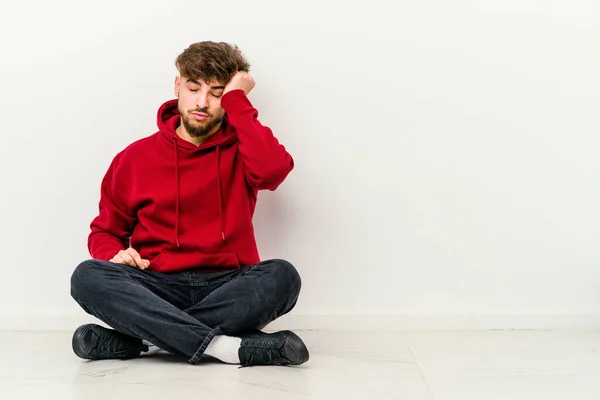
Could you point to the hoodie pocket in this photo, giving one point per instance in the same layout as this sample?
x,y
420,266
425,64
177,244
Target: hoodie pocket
x,y
171,261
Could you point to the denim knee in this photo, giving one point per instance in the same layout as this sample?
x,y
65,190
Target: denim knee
x,y
286,277
85,279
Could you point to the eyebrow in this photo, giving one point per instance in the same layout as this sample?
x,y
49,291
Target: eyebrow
x,y
195,82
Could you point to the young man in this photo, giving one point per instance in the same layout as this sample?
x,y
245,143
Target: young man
x,y
174,258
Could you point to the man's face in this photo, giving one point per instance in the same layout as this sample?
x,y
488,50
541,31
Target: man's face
x,y
199,104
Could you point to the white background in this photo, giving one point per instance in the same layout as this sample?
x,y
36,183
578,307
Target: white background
x,y
446,151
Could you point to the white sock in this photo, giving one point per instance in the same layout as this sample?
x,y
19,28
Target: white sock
x,y
224,348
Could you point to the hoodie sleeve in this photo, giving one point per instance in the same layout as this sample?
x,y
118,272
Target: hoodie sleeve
x,y
267,161
113,225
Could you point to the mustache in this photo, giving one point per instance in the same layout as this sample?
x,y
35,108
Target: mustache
x,y
200,110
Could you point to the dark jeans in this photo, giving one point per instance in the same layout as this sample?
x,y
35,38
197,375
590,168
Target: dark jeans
x,y
181,312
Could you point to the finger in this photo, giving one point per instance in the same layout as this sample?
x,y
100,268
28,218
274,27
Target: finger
x,y
127,259
136,257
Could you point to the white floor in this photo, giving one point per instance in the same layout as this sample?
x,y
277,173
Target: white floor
x,y
459,365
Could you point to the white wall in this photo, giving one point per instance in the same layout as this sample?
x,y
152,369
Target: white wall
x,y
447,151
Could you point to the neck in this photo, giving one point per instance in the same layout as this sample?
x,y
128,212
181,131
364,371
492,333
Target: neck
x,y
182,133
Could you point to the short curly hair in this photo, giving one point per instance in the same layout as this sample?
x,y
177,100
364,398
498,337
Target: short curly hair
x,y
211,61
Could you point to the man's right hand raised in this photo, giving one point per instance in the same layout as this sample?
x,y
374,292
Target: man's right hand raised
x,y
130,257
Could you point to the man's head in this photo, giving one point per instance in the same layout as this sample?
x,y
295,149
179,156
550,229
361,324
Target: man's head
x,y
204,70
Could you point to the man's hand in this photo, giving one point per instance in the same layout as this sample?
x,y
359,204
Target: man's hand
x,y
130,257
241,80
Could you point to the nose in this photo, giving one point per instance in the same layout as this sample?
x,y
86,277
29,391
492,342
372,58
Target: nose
x,y
202,100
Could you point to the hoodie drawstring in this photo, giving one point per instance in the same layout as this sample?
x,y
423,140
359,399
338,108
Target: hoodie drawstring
x,y
219,195
176,151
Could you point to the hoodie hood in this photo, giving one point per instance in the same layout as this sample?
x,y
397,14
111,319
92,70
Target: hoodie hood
x,y
168,119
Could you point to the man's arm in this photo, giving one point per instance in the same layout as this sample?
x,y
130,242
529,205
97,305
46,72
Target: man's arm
x,y
113,225
267,161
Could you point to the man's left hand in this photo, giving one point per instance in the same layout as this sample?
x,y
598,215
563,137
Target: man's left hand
x,y
241,80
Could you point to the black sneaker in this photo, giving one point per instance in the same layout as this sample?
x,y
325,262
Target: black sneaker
x,y
93,342
279,348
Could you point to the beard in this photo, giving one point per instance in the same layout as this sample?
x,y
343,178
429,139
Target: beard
x,y
199,129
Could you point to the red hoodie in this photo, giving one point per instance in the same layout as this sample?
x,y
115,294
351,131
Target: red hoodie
x,y
183,206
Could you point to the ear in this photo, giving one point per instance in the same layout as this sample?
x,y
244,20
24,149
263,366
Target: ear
x,y
176,86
